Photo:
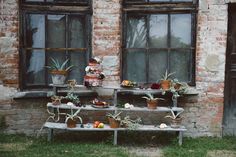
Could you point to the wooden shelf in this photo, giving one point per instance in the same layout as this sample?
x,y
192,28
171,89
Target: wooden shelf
x,y
111,108
63,126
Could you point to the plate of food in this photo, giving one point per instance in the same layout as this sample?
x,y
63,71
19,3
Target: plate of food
x,y
128,84
99,104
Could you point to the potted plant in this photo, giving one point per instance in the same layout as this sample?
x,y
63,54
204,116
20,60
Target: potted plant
x,y
71,119
151,101
114,119
166,81
176,120
56,100
59,71
73,98
129,123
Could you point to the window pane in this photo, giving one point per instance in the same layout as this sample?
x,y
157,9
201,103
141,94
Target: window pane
x,y
135,65
182,0
157,65
136,1
180,30
76,32
78,59
36,31
136,32
35,67
180,64
56,36
159,0
158,31
34,0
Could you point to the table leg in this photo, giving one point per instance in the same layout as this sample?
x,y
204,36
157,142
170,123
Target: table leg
x,y
115,137
50,134
180,137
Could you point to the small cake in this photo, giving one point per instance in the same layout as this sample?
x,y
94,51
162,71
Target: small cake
x,y
94,75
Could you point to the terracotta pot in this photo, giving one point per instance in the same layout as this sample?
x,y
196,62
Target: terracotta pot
x,y
71,123
165,84
58,77
176,123
152,104
113,123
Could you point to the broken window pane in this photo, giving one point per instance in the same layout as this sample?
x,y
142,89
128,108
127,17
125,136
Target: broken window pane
x,y
158,31
180,30
157,64
136,32
135,69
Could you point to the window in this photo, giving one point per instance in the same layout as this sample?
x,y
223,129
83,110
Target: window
x,y
53,29
159,35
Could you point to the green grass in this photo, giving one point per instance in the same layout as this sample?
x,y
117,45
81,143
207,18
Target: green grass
x,y
198,147
22,146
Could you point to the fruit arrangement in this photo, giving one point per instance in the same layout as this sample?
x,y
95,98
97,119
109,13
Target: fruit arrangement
x,y
98,103
128,83
98,124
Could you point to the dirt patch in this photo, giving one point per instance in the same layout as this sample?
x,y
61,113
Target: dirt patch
x,y
9,147
145,151
221,153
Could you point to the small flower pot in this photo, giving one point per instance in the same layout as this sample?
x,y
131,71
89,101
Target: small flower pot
x,y
71,123
176,123
58,77
113,123
152,104
165,84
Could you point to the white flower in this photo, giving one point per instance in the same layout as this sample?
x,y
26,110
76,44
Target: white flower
x,y
163,125
70,104
87,69
127,105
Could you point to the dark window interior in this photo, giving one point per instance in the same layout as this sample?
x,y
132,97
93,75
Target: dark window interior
x,y
157,40
53,34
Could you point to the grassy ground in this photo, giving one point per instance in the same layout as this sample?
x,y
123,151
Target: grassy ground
x,y
21,146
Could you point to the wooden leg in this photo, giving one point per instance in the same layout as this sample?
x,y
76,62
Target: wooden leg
x,y
180,137
50,134
115,137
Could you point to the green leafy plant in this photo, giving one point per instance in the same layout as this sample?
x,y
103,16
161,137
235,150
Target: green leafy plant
x,y
57,66
173,115
131,124
73,116
72,97
115,116
167,75
150,97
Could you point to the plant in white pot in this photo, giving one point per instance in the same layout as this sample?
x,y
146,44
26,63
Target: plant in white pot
x,y
59,71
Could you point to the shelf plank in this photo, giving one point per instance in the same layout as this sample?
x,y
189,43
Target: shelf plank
x,y
89,127
111,108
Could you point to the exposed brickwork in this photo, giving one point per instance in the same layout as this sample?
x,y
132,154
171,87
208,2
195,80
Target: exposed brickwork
x,y
206,109
9,56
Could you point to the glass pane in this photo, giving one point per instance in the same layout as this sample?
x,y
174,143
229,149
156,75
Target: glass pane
x,y
35,61
181,65
67,1
158,31
136,32
157,65
78,59
135,65
36,31
58,55
34,0
76,32
136,1
56,34
182,0
180,30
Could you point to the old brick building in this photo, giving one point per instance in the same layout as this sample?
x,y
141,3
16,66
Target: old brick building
x,y
104,29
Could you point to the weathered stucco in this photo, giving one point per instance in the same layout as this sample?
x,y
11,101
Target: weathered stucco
x,y
204,110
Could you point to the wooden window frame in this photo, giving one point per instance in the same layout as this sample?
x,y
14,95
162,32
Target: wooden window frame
x,y
149,8
45,9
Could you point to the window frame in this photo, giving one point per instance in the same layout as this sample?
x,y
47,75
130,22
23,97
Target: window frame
x,y
47,9
149,8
